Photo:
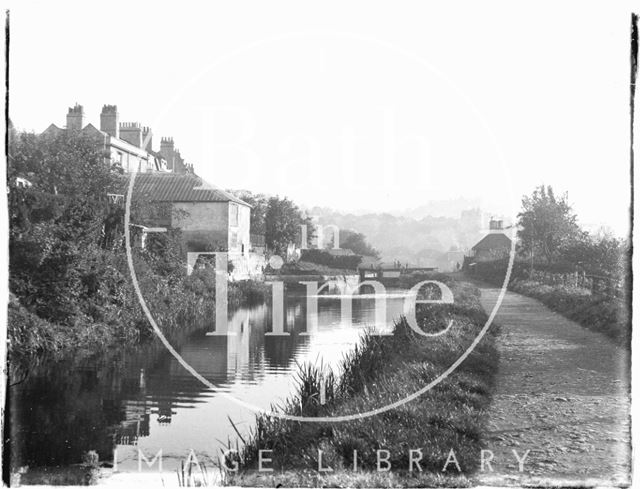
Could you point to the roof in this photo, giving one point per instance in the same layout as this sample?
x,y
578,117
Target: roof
x,y
171,187
493,241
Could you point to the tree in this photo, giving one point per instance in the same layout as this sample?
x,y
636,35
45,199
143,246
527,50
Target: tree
x,y
600,254
547,224
69,180
278,219
283,221
258,203
58,222
357,242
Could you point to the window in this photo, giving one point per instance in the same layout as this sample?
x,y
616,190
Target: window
x,y
233,218
233,239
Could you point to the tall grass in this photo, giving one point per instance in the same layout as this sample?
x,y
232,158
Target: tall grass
x,y
190,477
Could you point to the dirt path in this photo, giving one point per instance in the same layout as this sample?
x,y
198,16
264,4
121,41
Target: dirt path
x,y
562,393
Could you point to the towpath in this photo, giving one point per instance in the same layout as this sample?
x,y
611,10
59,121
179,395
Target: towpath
x,y
562,393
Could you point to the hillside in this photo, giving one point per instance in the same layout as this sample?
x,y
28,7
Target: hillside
x,y
424,241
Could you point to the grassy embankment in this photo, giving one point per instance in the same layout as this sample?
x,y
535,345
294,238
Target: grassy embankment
x,y
112,315
597,312
380,370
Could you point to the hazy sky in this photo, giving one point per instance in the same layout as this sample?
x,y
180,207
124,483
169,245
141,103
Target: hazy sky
x,y
351,105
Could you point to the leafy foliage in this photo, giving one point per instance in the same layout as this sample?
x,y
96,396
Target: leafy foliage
x,y
279,219
357,242
60,224
547,223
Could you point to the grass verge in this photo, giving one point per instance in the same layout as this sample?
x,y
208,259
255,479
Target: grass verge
x,y
383,369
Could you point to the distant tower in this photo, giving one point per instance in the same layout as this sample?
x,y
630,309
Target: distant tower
x,y
75,118
109,120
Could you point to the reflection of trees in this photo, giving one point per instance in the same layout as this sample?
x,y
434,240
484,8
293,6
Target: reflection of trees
x,y
67,407
94,403
279,350
57,415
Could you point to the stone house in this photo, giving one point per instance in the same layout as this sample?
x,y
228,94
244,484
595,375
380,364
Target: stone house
x,y
209,218
494,246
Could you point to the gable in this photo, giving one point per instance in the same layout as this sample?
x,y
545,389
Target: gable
x,y
52,130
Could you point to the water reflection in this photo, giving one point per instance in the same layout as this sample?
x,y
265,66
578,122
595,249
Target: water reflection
x,y
144,399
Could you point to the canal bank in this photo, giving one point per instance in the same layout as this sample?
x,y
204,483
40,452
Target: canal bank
x,y
418,439
139,399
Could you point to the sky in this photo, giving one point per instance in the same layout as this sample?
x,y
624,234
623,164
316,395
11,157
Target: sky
x,y
352,105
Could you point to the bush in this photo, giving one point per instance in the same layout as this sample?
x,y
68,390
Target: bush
x,y
106,309
322,257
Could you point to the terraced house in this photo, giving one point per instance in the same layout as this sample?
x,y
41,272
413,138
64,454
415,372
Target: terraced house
x,y
128,144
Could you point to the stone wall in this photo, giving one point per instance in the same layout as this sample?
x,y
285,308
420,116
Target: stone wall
x,y
204,225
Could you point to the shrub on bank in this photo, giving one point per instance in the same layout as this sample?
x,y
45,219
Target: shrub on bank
x,y
379,370
248,293
323,257
106,310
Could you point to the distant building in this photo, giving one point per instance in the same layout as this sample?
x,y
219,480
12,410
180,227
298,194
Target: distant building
x,y
493,246
128,144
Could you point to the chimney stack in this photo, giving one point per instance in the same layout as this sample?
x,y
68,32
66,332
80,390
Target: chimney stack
x,y
167,150
495,224
131,132
75,118
109,120
147,138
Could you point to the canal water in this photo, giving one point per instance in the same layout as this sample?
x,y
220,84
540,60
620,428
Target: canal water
x,y
130,399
